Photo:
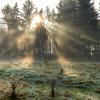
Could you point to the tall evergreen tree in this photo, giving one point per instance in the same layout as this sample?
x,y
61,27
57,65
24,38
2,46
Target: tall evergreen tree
x,y
7,16
27,13
11,17
67,11
87,15
15,18
48,12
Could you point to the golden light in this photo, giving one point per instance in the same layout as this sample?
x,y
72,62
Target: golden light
x,y
42,19
39,19
36,20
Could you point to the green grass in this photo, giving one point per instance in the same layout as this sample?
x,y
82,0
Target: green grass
x,y
35,85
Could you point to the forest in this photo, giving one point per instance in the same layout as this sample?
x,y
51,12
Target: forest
x,y
51,52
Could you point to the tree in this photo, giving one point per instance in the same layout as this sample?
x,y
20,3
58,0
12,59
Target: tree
x,y
15,18
27,13
41,40
7,12
67,11
68,17
11,17
60,8
48,12
87,16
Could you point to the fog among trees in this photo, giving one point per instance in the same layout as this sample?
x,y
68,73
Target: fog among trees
x,y
75,25
50,53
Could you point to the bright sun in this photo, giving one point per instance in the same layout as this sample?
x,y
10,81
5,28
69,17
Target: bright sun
x,y
43,4
37,20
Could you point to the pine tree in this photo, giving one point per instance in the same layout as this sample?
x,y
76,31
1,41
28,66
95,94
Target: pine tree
x,y
60,8
15,18
27,13
11,17
67,11
48,13
87,15
7,16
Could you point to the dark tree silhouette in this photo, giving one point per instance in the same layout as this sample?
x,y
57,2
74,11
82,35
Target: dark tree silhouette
x,y
48,12
67,11
87,16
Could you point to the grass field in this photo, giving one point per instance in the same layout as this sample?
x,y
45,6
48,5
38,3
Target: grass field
x,y
80,80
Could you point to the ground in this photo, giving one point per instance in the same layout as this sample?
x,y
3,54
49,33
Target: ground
x,y
74,80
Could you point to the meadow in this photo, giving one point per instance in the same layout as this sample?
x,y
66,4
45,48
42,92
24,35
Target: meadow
x,y
74,80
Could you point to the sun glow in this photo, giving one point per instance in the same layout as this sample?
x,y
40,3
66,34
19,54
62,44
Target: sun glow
x,y
43,4
37,19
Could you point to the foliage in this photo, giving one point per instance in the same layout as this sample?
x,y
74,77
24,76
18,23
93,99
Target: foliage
x,y
27,13
7,11
11,17
67,11
81,14
75,20
87,15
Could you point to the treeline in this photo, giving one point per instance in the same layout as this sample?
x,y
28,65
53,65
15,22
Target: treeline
x,y
76,22
15,19
17,39
81,26
80,14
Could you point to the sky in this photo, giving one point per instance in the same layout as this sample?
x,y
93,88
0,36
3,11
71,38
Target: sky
x,y
97,4
38,3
